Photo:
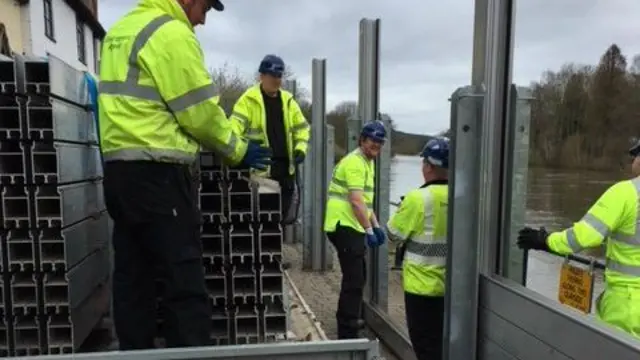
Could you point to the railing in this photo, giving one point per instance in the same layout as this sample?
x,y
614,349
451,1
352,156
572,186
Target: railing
x,y
585,260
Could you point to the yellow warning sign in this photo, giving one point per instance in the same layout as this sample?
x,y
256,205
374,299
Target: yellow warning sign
x,y
576,287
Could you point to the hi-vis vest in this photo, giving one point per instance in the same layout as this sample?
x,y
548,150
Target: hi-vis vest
x,y
614,219
353,172
421,221
249,119
157,101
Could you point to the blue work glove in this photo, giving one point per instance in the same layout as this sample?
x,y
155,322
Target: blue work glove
x,y
371,238
380,235
299,155
257,156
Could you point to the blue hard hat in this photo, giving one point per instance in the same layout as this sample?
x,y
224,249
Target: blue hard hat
x,y
375,131
635,149
272,65
216,4
436,152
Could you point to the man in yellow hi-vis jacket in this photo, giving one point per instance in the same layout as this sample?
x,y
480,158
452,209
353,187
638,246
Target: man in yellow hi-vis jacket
x,y
420,223
157,106
269,115
351,225
613,220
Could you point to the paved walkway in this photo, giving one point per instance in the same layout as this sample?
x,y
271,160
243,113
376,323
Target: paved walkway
x,y
320,291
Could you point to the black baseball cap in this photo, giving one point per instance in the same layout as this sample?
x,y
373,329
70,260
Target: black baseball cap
x,y
216,4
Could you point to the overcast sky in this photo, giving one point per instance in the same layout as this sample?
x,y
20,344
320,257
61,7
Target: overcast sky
x,y
425,45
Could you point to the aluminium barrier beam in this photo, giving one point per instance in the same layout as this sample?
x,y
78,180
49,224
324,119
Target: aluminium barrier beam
x,y
360,349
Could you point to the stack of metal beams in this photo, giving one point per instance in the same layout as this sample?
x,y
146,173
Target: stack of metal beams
x,y
53,224
242,242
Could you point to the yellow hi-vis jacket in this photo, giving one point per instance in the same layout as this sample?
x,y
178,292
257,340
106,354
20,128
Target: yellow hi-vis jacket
x,y
157,100
353,172
421,221
612,219
249,119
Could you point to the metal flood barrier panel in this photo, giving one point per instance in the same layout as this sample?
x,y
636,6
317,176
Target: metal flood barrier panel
x,y
516,323
53,223
242,253
360,349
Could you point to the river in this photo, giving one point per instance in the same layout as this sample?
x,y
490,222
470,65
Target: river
x,y
555,199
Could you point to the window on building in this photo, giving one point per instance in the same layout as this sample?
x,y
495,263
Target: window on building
x,y
82,45
48,20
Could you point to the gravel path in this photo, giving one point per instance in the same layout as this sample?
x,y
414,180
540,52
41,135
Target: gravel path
x,y
320,291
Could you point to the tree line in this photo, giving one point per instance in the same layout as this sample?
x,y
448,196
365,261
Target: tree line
x,y
585,116
231,84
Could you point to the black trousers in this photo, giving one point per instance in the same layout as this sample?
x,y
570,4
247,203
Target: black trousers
x,y
351,249
287,182
156,236
287,188
425,321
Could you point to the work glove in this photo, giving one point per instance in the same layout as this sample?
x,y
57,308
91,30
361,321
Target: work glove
x,y
371,238
257,156
380,235
299,156
535,239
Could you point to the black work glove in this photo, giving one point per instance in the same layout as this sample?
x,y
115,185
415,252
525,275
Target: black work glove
x,y
299,156
535,239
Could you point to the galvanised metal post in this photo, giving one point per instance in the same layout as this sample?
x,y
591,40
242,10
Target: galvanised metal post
x,y
499,56
513,260
368,109
312,257
291,85
484,191
383,184
461,297
326,258
354,125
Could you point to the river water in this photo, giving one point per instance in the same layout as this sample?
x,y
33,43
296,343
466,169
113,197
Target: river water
x,y
555,199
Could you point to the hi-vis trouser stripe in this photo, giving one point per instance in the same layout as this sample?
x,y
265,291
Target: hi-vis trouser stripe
x,y
130,87
427,251
603,229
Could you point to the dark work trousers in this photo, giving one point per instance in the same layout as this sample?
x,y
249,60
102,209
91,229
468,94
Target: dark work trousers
x,y
287,188
351,249
156,236
287,182
425,321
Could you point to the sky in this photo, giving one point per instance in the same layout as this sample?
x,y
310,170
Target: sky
x,y
425,46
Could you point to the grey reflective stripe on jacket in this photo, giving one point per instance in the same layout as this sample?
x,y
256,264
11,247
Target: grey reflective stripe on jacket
x,y
150,154
130,87
427,249
607,233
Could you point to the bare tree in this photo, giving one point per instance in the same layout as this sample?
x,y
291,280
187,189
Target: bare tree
x,y
582,116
